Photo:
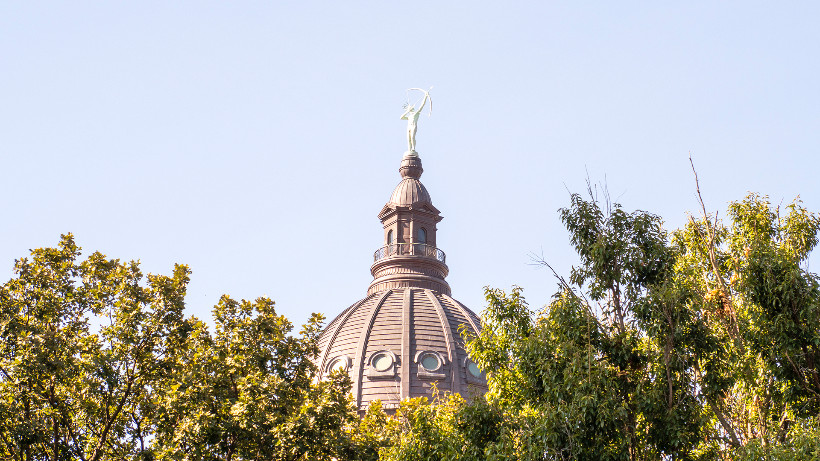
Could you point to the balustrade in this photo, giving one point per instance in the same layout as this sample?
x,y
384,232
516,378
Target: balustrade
x,y
409,249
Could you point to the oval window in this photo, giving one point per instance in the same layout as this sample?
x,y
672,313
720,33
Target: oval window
x,y
422,235
430,362
382,362
473,369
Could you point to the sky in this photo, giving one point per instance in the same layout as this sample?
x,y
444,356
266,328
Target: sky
x,y
257,141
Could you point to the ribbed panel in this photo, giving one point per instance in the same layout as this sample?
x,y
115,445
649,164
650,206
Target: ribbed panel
x,y
460,316
429,336
330,335
385,335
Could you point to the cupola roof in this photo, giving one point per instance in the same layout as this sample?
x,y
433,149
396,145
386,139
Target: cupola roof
x,y
410,191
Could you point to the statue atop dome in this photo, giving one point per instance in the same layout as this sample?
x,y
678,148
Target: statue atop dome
x,y
406,338
411,114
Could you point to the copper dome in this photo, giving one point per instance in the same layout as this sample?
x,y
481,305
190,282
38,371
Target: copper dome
x,y
396,343
406,334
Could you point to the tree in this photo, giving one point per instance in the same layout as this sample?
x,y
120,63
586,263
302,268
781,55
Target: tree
x,y
70,393
98,362
699,344
581,380
765,309
248,392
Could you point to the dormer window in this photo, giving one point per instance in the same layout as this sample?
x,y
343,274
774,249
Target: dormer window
x,y
422,235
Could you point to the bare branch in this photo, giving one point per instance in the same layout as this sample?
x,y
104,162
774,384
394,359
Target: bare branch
x,y
718,412
541,261
728,305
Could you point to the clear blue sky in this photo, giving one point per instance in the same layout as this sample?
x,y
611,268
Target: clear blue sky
x,y
257,141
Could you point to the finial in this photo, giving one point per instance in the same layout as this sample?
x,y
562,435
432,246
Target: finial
x,y
411,166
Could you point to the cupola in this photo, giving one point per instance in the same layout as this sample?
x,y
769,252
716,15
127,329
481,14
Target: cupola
x,y
409,256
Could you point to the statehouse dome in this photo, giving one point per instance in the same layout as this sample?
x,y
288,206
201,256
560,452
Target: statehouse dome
x,y
406,334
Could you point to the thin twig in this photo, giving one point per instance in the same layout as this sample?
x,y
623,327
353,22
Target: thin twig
x,y
540,261
727,295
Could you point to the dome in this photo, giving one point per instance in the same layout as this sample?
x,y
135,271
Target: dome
x,y
409,192
404,338
397,343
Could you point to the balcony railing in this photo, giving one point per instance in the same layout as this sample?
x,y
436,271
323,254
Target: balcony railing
x,y
409,249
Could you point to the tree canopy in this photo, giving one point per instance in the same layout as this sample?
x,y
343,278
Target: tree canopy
x,y
701,343
98,362
696,343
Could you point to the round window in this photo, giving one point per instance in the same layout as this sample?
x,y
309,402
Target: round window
x,y
473,369
382,362
339,364
430,362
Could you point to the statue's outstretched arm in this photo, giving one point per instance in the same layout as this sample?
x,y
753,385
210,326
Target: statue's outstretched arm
x,y
406,112
424,101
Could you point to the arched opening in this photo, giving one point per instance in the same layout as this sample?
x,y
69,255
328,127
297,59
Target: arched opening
x,y
420,247
391,248
422,235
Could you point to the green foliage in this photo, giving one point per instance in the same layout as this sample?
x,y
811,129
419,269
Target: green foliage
x,y
702,344
780,301
376,431
68,393
98,362
803,444
699,344
445,429
246,392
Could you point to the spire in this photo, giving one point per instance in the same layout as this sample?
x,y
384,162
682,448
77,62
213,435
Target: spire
x,y
409,256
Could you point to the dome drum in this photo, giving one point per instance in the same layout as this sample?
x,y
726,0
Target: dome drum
x,y
411,280
409,271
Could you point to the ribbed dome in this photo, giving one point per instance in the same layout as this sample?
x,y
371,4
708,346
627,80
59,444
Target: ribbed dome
x,y
410,191
404,337
396,343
